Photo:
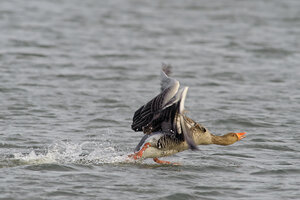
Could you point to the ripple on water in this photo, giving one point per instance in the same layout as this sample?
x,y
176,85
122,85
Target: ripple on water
x,y
63,193
244,122
275,147
290,171
50,167
178,196
272,52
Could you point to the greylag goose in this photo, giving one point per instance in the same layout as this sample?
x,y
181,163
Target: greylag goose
x,y
166,127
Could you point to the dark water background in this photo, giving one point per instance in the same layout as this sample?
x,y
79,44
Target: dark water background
x,y
73,72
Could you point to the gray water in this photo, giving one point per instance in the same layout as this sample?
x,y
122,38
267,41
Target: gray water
x,y
72,74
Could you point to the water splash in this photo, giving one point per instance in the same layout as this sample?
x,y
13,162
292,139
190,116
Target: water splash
x,y
67,152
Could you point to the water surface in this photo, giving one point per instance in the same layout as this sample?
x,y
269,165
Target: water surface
x,y
72,74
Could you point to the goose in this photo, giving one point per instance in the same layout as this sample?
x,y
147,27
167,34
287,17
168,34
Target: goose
x,y
167,130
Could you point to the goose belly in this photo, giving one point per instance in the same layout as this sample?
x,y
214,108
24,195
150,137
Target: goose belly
x,y
152,152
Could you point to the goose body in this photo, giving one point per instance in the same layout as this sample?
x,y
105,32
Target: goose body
x,y
166,127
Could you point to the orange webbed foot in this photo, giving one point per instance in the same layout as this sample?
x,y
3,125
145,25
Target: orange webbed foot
x,y
139,154
165,162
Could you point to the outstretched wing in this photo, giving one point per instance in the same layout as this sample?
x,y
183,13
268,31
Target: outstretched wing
x,y
165,112
150,115
165,80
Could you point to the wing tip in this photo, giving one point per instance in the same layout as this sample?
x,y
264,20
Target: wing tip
x,y
167,69
191,143
193,147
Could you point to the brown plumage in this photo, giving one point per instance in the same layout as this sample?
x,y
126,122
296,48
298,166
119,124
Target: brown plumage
x,y
166,127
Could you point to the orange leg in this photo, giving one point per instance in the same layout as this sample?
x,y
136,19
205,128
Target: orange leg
x,y
139,154
164,162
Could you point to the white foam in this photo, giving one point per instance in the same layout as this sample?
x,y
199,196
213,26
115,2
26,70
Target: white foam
x,y
67,152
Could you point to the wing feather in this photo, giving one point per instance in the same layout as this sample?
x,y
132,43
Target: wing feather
x,y
165,113
148,112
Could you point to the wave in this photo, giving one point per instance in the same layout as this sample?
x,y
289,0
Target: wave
x,y
94,153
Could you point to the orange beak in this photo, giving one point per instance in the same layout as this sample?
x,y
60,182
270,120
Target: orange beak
x,y
241,135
